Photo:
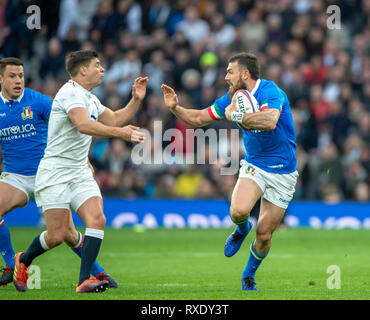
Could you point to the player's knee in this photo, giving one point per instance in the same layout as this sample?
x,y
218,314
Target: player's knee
x,y
71,237
263,235
238,214
97,221
101,221
55,239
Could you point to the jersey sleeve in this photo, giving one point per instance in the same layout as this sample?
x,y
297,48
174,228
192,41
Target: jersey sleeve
x,y
272,98
45,103
101,108
217,109
74,100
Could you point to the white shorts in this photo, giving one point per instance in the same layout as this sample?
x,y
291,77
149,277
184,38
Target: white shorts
x,y
21,182
276,187
64,188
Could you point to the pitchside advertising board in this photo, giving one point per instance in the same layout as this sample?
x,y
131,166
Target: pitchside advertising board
x,y
173,213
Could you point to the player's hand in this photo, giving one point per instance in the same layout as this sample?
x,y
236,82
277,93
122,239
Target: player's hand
x,y
169,96
139,88
131,133
231,107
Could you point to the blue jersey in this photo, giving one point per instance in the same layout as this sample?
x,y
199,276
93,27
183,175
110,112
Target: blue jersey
x,y
274,150
23,131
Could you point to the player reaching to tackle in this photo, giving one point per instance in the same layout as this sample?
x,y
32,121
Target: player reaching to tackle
x,y
24,115
269,169
64,180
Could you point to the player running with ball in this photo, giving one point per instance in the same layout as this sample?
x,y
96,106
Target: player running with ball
x,y
269,169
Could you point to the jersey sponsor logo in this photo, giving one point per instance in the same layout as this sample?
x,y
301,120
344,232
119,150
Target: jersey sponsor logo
x,y
27,113
2,114
17,132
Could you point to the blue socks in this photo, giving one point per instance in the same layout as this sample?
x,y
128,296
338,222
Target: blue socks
x,y
6,248
96,269
243,227
254,261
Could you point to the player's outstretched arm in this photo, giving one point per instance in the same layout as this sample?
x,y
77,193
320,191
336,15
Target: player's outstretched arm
x,y
123,116
193,117
81,119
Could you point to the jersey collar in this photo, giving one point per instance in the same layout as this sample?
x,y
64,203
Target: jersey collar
x,y
6,100
256,86
75,84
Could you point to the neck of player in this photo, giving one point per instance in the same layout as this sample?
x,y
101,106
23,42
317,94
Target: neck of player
x,y
83,83
250,84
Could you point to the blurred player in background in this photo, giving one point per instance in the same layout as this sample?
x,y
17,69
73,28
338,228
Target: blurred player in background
x,y
269,169
64,180
24,115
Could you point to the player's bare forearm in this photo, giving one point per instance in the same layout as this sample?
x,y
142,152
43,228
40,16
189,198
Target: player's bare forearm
x,y
125,115
265,120
191,117
94,128
81,119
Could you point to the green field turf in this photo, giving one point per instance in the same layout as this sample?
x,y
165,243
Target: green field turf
x,y
184,264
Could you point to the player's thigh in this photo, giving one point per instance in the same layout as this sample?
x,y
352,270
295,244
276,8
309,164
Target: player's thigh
x,y
245,195
269,218
11,198
91,213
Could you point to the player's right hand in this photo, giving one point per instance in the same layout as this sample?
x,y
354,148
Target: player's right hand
x,y
169,96
131,133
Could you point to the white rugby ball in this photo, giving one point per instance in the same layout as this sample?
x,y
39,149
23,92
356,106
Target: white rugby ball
x,y
246,102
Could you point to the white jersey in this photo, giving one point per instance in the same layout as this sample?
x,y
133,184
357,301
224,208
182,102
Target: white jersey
x,y
66,146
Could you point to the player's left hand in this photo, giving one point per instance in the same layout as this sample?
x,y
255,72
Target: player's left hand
x,y
139,88
231,107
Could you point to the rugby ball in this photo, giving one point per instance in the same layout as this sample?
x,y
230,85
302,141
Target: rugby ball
x,y
245,102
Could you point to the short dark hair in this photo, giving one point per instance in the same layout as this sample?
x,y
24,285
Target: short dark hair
x,y
247,60
10,61
76,59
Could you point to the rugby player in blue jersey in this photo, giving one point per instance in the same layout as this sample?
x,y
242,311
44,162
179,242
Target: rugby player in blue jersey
x,y
269,170
24,115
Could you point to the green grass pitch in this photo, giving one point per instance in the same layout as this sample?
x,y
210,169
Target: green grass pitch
x,y
185,264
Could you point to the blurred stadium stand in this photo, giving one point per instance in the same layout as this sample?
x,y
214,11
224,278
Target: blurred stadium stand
x,y
186,43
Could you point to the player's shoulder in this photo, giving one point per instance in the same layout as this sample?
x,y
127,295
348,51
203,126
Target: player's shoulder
x,y
270,87
69,89
35,97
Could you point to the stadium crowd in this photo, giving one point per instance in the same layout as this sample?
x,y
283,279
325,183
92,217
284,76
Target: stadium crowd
x,y
325,73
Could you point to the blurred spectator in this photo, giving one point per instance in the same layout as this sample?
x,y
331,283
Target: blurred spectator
x,y
123,73
254,30
8,28
194,28
159,13
127,16
156,70
361,192
222,34
70,17
187,183
53,63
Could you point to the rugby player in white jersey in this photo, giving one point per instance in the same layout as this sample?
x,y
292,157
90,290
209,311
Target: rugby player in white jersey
x,y
64,180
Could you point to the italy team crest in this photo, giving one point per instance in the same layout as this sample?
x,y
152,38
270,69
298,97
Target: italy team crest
x,y
27,113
